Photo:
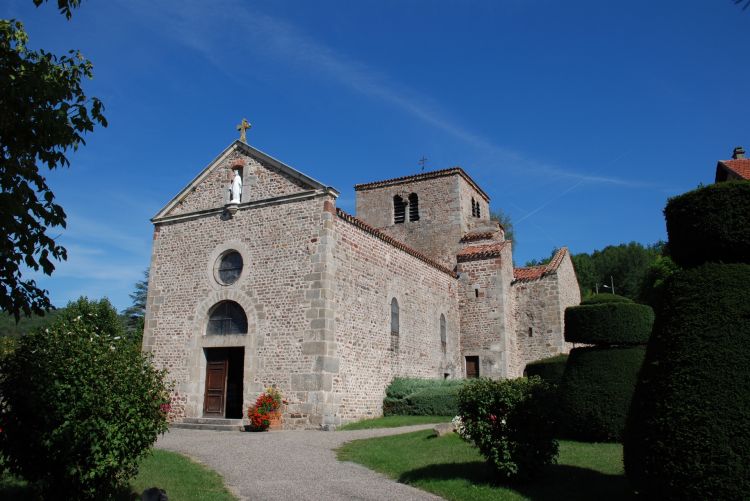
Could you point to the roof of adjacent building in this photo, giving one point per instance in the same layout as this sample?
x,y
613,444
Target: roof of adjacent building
x,y
529,273
739,166
484,251
392,241
477,235
422,176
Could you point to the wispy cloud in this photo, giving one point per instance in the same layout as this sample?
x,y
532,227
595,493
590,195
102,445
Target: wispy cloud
x,y
205,26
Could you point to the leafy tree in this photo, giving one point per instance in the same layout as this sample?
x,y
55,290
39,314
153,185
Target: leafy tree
x,y
80,406
65,6
136,312
506,222
656,275
44,115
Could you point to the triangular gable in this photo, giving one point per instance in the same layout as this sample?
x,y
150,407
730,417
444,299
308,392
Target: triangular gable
x,y
209,188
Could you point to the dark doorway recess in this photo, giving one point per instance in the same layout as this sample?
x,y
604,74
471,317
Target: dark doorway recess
x,y
224,373
472,367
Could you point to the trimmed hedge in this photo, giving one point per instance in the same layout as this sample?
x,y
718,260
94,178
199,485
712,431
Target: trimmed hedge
x,y
606,298
609,324
422,397
710,224
549,369
596,390
688,433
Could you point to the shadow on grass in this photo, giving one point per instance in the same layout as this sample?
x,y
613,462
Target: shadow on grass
x,y
14,488
558,482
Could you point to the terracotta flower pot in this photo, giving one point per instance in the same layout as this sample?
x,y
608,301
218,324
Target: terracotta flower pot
x,y
275,419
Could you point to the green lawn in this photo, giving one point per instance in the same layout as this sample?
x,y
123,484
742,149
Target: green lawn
x,y
394,422
181,478
453,469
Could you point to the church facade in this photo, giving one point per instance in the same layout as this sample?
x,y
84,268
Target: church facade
x,y
258,279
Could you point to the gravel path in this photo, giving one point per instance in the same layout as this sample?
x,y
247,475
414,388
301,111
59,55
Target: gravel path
x,y
299,465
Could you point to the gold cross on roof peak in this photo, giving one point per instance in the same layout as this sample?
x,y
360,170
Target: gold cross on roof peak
x,y
243,128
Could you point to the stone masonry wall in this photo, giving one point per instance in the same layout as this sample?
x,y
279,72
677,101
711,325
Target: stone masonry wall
x,y
259,182
369,273
485,306
444,214
540,306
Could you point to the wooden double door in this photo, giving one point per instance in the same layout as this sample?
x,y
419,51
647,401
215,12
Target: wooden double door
x,y
224,373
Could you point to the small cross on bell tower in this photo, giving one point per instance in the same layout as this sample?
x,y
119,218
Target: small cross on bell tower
x,y
242,127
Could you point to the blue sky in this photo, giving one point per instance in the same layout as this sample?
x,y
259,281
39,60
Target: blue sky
x,y
579,119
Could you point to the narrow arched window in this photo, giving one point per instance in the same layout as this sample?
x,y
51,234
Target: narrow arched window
x,y
473,208
227,317
443,336
479,214
399,210
394,324
413,207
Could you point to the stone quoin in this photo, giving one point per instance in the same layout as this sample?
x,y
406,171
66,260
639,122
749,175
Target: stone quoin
x,y
283,288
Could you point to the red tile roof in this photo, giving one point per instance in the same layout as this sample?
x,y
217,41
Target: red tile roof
x,y
471,237
421,177
392,241
486,251
529,273
740,166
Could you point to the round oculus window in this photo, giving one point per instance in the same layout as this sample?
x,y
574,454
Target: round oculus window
x,y
229,267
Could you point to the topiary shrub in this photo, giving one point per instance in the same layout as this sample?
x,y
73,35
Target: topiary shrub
x,y
510,423
606,298
596,390
688,432
609,323
710,224
81,405
549,369
422,397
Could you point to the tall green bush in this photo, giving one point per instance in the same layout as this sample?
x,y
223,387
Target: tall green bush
x,y
597,386
609,323
710,224
549,369
688,432
81,405
510,423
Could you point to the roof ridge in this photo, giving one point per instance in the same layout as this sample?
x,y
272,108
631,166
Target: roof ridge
x,y
542,269
422,176
481,251
392,241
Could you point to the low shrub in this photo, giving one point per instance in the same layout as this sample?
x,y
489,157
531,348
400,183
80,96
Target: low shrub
x,y
609,323
510,423
81,405
606,298
710,224
688,431
422,397
549,369
595,392
402,387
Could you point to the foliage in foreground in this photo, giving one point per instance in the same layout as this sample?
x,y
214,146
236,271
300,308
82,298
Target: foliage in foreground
x,y
688,432
455,470
511,424
81,405
549,369
45,113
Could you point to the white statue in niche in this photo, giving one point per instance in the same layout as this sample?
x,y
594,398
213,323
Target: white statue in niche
x,y
235,191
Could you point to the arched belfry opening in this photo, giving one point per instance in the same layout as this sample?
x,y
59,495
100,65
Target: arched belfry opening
x,y
399,210
413,207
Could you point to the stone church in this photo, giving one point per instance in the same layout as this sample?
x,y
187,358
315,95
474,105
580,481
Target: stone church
x,y
258,279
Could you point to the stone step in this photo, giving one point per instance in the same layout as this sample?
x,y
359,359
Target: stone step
x,y
214,421
210,427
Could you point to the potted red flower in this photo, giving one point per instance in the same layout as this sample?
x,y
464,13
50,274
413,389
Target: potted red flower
x,y
266,413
